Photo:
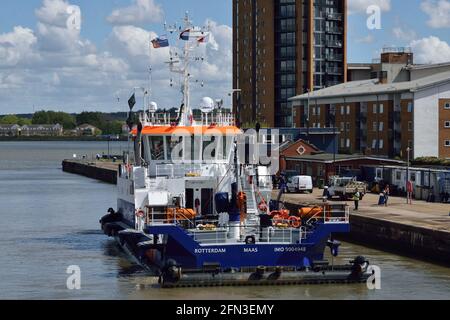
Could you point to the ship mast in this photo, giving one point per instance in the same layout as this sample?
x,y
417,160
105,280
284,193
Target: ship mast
x,y
180,63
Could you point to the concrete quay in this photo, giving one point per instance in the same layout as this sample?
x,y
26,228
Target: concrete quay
x,y
105,171
420,230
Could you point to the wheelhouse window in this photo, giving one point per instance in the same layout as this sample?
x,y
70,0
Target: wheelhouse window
x,y
156,145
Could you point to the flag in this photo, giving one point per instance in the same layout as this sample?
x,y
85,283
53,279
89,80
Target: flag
x,y
160,43
185,35
203,39
132,101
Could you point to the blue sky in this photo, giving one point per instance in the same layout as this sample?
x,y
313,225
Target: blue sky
x,y
46,65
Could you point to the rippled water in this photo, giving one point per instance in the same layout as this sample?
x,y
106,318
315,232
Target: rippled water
x,y
49,221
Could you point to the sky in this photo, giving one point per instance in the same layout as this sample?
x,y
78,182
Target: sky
x,y
84,55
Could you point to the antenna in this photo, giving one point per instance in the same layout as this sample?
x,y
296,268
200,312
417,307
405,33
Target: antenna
x,y
179,63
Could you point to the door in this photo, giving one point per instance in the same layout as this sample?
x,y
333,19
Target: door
x,y
206,203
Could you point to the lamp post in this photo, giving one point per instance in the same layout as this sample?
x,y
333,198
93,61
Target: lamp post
x,y
408,194
307,117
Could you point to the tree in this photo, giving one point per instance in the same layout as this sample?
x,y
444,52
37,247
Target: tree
x,y
52,117
13,119
9,119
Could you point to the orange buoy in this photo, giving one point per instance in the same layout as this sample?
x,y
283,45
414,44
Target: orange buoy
x,y
295,222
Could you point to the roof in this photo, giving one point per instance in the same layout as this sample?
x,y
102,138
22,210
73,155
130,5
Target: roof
x,y
359,66
178,130
37,126
86,126
370,87
329,158
9,126
427,66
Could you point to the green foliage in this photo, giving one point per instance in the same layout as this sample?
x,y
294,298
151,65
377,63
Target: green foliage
x,y
13,119
52,117
101,121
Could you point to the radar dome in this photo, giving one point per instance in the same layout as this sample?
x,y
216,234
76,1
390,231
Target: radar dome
x,y
153,107
207,105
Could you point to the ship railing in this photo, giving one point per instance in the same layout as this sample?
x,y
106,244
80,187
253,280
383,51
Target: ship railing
x,y
332,214
183,170
163,218
203,119
221,233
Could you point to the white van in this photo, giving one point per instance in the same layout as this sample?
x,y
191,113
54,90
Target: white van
x,y
299,184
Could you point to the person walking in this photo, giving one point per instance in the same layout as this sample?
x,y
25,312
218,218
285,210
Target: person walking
x,y
356,198
326,194
386,193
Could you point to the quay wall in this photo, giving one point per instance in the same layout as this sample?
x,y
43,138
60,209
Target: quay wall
x,y
90,170
411,240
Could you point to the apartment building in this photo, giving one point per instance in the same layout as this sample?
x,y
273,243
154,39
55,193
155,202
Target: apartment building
x,y
403,106
282,48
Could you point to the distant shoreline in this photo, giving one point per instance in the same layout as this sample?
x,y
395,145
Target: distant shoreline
x,y
87,139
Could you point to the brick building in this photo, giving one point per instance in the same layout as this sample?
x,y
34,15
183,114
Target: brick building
x,y
282,48
402,106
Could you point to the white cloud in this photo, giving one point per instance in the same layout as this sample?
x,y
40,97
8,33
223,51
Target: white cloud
x,y
54,66
362,5
438,12
16,46
430,50
141,11
404,34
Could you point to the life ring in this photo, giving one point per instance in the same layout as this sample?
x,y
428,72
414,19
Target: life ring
x,y
295,222
140,213
277,219
262,206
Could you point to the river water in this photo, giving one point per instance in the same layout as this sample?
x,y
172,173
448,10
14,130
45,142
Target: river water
x,y
49,221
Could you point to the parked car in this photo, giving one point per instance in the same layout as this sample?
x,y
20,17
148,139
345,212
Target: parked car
x,y
300,184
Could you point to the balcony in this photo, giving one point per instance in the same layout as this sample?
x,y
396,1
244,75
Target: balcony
x,y
334,16
334,30
335,57
336,71
334,44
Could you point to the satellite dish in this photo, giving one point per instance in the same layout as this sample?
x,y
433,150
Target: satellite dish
x,y
207,105
153,107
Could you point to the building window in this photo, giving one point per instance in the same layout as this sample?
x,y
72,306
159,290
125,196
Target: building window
x,y
342,126
381,144
447,105
398,175
447,124
342,110
381,127
348,143
375,127
348,109
375,109
410,126
318,111
374,144
381,108
410,107
348,126
342,143
447,143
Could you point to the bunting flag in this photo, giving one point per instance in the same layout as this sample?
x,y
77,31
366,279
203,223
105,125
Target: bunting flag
x,y
185,35
198,35
132,101
203,39
160,42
